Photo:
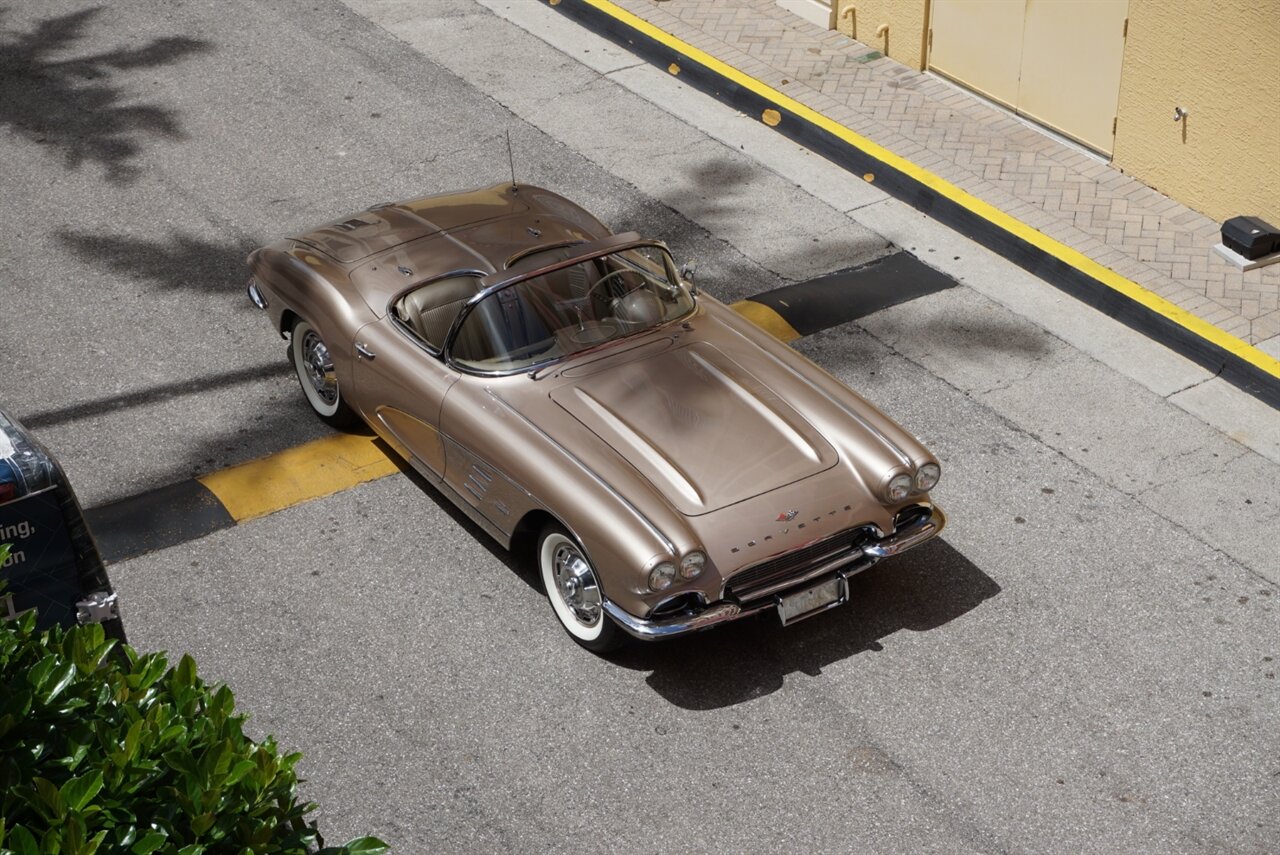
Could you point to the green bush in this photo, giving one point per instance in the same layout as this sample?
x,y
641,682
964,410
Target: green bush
x,y
109,751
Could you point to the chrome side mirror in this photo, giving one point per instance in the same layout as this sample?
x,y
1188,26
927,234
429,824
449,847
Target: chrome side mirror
x,y
687,271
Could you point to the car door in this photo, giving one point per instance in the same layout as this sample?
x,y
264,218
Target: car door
x,y
400,386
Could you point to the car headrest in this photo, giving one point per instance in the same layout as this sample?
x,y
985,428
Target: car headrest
x,y
430,310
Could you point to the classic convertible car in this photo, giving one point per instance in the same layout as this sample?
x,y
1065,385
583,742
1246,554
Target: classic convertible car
x,y
666,464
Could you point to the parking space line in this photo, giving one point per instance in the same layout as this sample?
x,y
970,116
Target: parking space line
x,y
309,471
191,509
767,319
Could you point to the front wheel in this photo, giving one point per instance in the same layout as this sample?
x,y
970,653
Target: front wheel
x,y
574,591
314,365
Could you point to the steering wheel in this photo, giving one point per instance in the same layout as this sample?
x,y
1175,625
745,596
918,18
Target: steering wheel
x,y
605,278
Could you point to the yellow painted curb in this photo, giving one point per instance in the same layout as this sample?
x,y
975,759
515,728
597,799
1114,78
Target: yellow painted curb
x,y
767,319
1012,225
312,470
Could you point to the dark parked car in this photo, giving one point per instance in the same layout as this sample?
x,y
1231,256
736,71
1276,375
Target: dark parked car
x,y
53,564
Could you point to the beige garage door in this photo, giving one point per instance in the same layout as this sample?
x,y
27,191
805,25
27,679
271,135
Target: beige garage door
x,y
1055,61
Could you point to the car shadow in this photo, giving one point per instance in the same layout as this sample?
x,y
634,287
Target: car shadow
x,y
73,104
920,591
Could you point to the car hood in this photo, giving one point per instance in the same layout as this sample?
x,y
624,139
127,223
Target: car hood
x,y
708,435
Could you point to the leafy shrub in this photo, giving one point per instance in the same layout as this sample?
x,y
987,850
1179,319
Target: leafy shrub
x,y
110,751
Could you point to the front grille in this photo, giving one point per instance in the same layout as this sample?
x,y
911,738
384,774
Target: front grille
x,y
793,564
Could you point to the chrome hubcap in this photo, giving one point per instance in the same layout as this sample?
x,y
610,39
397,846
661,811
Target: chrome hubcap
x,y
319,367
577,586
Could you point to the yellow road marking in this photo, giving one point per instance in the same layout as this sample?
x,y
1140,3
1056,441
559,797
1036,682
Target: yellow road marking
x,y
767,319
989,212
312,470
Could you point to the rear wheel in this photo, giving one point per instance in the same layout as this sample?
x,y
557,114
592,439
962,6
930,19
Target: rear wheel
x,y
574,591
314,365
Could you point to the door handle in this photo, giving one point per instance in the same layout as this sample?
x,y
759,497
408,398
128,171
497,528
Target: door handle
x,y
362,350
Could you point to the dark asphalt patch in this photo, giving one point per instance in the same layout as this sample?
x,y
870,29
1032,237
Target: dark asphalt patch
x,y
847,295
157,519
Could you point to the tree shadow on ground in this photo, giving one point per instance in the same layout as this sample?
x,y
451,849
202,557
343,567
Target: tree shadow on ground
x,y
706,201
154,394
920,591
181,261
962,337
72,103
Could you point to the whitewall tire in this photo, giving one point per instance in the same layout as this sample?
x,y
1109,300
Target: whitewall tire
x,y
314,366
574,591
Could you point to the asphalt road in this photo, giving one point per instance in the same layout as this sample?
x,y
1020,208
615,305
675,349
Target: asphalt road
x,y
1086,664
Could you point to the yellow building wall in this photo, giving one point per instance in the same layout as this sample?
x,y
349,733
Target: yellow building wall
x,y
1220,61
905,38
1217,59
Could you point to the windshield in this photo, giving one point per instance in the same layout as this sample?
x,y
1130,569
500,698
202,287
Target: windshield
x,y
571,309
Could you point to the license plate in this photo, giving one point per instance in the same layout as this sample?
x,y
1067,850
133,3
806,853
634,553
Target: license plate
x,y
809,602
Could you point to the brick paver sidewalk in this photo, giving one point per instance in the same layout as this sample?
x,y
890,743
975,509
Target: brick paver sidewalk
x,y
1066,194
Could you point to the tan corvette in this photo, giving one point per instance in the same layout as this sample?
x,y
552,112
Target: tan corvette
x,y
667,465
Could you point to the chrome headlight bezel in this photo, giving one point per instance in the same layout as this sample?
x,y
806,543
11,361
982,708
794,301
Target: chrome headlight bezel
x,y
898,486
927,477
662,576
692,564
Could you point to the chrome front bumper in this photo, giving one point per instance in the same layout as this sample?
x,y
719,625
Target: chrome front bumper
x,y
850,564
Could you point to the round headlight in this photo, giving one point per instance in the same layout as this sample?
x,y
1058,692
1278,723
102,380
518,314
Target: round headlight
x,y
691,565
661,577
927,477
899,487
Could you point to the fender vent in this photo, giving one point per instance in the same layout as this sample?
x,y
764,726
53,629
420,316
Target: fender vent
x,y
477,482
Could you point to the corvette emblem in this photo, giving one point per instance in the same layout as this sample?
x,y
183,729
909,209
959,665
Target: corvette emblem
x,y
787,516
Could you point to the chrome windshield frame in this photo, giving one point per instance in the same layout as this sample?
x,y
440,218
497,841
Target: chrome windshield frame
x,y
504,279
